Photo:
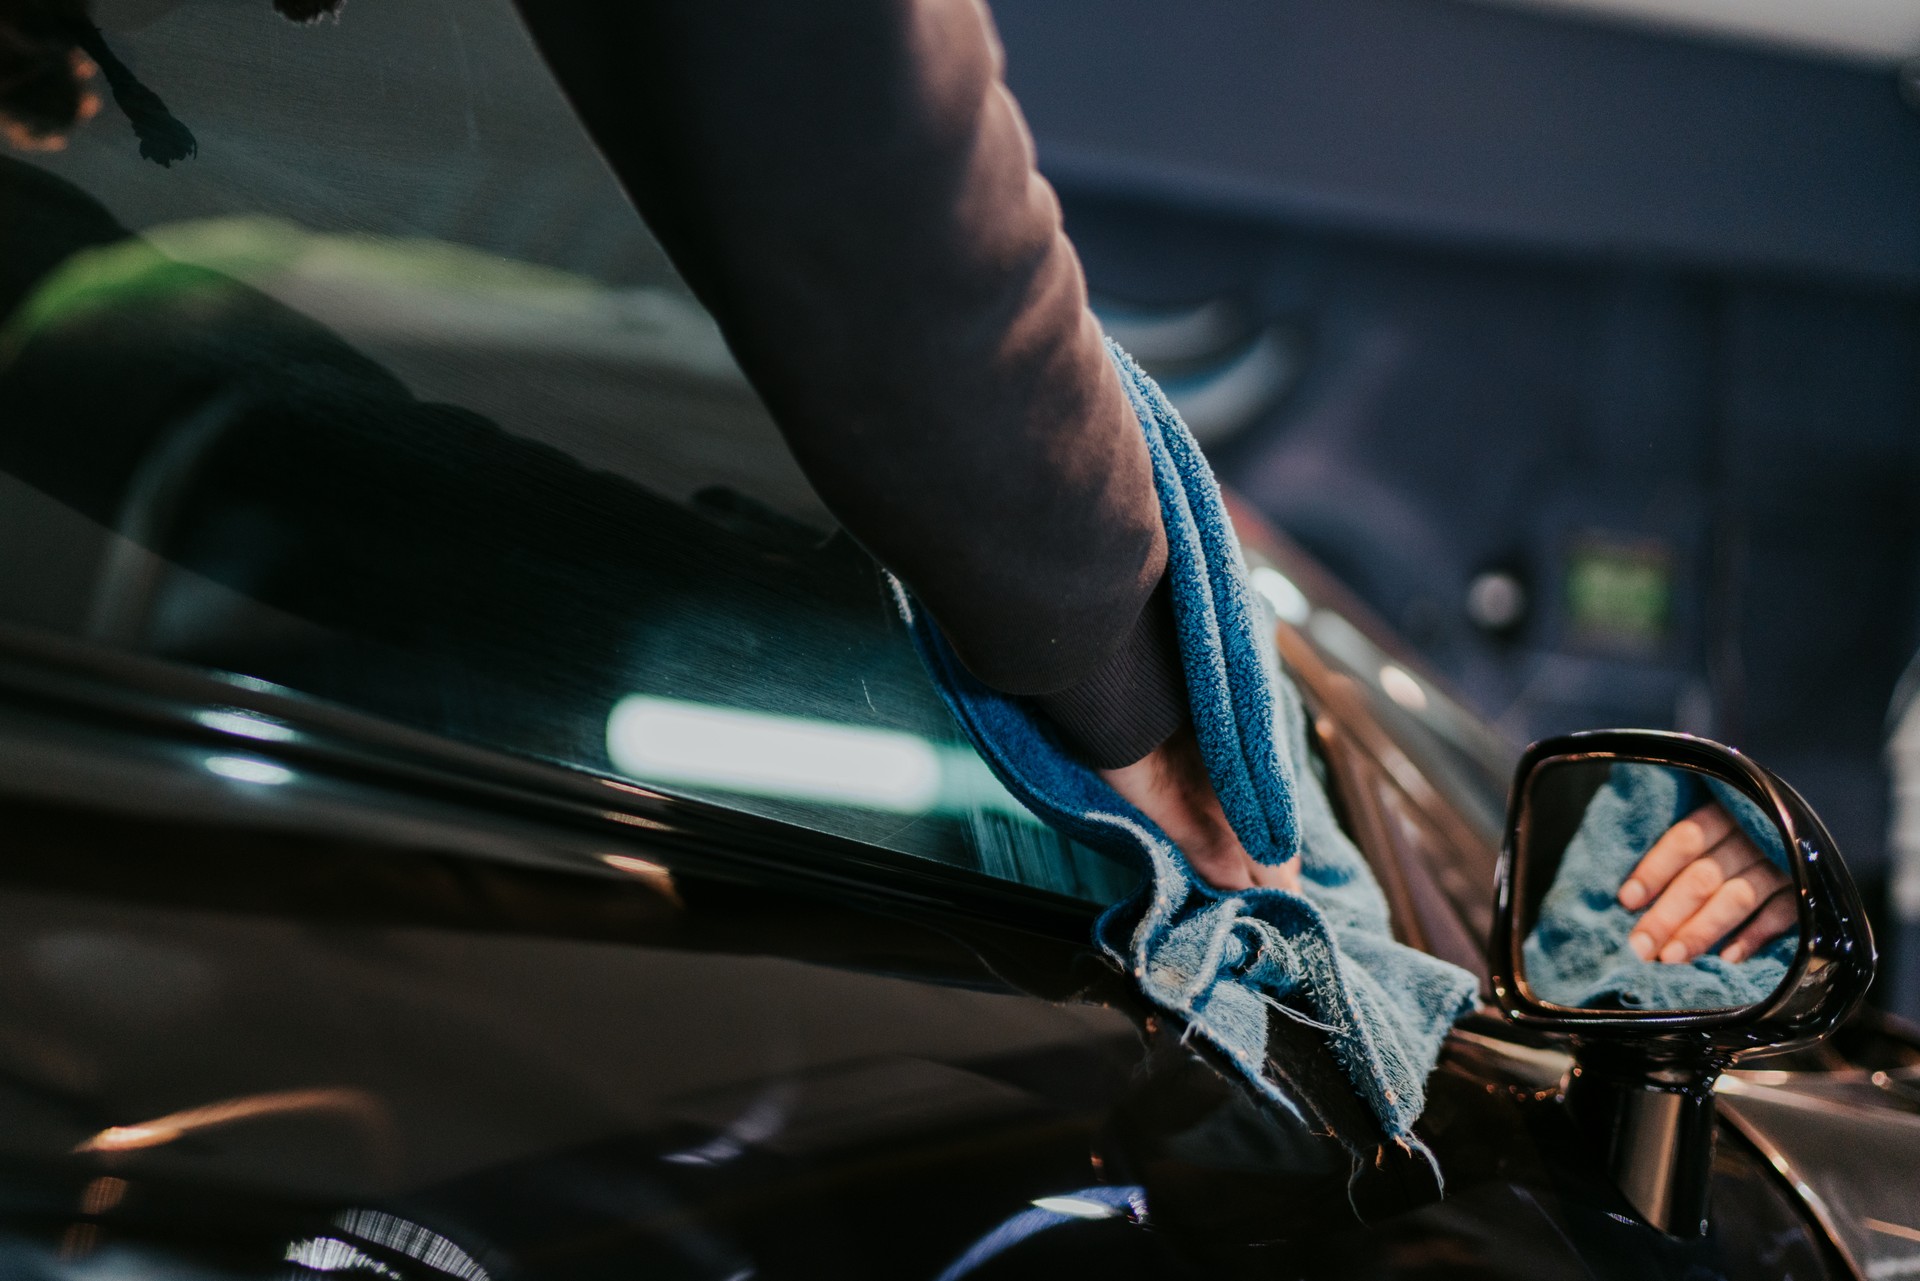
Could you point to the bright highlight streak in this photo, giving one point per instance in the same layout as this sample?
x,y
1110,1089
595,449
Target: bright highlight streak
x,y
245,724
175,1125
643,868
1047,1213
653,875
127,1138
665,741
440,1253
1288,601
245,769
1900,1230
327,1254
1402,688
1076,1207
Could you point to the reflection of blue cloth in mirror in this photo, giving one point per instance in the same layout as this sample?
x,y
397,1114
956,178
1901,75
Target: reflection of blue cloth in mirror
x,y
1577,954
1228,963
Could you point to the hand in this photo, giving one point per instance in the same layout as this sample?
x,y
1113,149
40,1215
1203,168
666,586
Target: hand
x,y
1170,786
1704,877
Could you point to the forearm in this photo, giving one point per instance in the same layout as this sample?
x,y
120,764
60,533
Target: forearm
x,y
851,190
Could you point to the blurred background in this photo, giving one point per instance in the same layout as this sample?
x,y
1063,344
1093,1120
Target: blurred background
x,y
1580,337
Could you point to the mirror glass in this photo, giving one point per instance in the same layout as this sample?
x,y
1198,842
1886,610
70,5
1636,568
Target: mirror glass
x,y
1651,887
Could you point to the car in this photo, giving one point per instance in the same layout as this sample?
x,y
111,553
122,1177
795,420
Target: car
x,y
471,814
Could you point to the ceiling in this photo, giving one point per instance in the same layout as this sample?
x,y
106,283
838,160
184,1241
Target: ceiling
x,y
1883,31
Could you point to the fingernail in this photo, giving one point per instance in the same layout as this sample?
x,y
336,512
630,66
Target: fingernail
x,y
1674,953
1642,945
1632,895
1733,953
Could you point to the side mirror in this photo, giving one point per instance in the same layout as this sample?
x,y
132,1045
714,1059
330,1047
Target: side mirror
x,y
1740,932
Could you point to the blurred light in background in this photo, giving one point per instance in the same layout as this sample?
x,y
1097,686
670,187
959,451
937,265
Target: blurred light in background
x,y
1619,592
1496,600
1402,688
1176,335
1871,30
1219,370
1218,402
1289,603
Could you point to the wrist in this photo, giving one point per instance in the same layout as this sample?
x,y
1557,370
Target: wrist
x,y
1129,706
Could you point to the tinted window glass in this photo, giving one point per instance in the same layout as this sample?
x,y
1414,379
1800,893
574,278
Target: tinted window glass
x,y
387,396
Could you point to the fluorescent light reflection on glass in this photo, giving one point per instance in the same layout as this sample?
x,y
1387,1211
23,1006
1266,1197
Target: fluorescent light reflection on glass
x,y
742,751
245,724
761,754
246,769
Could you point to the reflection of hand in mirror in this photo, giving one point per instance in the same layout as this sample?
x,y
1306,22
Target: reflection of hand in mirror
x,y
1704,877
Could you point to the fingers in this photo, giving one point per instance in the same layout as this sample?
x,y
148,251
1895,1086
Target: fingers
x,y
1776,916
1679,847
1223,867
1704,878
1284,876
1713,892
1732,903
1170,786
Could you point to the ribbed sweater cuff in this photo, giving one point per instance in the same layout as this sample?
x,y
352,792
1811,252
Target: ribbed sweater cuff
x,y
1132,702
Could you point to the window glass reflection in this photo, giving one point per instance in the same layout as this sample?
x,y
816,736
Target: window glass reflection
x,y
387,396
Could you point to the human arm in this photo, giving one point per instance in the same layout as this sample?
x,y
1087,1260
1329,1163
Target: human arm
x,y
850,189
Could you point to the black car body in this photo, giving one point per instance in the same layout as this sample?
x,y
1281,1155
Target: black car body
x,y
366,527
573,1028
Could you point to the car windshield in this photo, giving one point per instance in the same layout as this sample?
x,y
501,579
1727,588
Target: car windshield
x,y
386,396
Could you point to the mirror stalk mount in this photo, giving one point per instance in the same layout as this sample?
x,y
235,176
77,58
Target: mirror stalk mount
x,y
1654,1128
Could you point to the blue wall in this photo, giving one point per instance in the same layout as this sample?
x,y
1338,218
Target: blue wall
x,y
1457,120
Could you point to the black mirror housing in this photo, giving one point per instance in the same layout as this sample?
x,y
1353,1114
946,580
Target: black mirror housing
x,y
1643,1077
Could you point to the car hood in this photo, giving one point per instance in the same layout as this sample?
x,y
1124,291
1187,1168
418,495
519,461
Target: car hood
x,y
1852,1156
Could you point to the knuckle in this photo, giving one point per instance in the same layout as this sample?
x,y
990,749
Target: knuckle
x,y
1702,875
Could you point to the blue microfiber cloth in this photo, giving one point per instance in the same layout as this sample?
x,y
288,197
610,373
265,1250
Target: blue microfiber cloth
x,y
1228,962
1577,954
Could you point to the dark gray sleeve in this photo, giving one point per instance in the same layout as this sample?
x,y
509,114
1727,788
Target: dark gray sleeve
x,y
850,188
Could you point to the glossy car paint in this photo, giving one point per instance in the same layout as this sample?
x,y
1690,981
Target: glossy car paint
x,y
582,1031
365,959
